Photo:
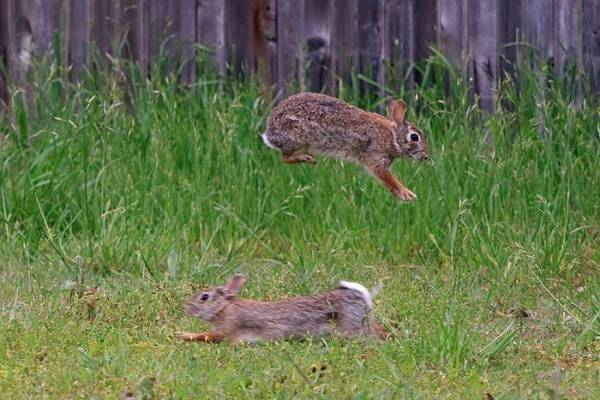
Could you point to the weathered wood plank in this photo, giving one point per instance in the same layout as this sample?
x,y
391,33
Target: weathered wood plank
x,y
510,23
78,36
270,32
11,38
5,49
264,33
425,27
452,30
591,42
158,32
538,30
172,34
132,23
567,34
393,58
238,35
210,31
185,31
44,17
32,34
483,40
538,27
344,40
399,39
35,24
317,42
104,28
370,39
290,60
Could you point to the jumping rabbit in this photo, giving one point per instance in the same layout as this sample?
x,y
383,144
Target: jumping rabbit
x,y
310,123
345,310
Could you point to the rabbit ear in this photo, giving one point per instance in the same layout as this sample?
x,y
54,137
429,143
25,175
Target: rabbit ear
x,y
235,284
397,110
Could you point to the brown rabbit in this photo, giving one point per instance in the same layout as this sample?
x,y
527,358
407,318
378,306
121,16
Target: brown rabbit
x,y
309,123
346,310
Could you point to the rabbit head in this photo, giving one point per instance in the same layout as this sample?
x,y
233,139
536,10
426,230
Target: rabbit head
x,y
409,140
208,303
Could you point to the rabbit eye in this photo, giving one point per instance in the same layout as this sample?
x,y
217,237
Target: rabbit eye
x,y
204,297
414,137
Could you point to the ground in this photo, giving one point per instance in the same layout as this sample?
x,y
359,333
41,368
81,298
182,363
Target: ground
x,y
116,206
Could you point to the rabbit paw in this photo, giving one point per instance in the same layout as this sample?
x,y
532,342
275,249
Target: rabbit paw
x,y
405,195
299,158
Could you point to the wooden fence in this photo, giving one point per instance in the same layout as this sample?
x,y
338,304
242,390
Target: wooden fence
x,y
315,42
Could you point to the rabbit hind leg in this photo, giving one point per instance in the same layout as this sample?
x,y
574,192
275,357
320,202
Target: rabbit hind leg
x,y
361,325
351,323
379,332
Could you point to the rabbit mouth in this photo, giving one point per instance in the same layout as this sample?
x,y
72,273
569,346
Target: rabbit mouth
x,y
421,156
190,309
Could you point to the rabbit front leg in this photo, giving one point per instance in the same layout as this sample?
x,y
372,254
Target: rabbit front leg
x,y
207,337
394,185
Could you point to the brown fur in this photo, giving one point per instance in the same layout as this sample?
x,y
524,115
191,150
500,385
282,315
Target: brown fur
x,y
311,123
339,311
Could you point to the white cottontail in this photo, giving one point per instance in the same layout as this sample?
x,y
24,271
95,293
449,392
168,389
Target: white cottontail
x,y
346,310
309,123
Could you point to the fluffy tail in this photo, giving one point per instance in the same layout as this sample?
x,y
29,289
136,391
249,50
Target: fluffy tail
x,y
267,141
360,288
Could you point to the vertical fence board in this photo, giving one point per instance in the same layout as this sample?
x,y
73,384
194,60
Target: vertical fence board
x,y
264,34
290,60
483,40
158,33
132,17
370,39
270,31
44,17
5,12
591,41
317,44
425,26
79,35
452,29
567,34
25,37
538,27
8,27
238,35
510,22
104,17
344,38
185,31
395,34
400,38
211,30
538,30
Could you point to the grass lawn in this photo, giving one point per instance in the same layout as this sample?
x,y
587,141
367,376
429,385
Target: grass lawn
x,y
116,204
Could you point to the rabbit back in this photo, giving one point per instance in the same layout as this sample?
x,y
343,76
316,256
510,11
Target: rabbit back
x,y
324,124
341,310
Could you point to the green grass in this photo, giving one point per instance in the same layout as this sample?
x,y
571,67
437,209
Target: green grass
x,y
491,279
